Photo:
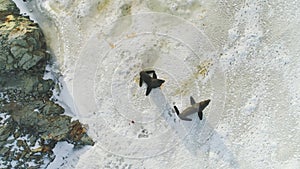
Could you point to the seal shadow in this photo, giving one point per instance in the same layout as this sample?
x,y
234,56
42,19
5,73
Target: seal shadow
x,y
199,137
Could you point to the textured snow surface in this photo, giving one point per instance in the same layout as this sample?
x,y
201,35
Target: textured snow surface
x,y
243,55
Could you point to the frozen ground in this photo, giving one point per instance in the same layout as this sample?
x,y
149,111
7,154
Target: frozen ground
x,y
243,55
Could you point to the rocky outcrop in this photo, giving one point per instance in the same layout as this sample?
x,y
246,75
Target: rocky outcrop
x,y
30,122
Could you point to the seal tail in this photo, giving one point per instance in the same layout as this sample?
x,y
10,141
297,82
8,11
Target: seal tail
x,y
192,100
160,82
202,106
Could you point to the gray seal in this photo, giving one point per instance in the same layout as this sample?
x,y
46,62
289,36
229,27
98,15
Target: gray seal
x,y
196,107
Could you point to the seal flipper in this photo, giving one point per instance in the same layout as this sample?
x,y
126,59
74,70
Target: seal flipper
x,y
148,90
200,115
154,75
192,100
153,72
176,110
141,81
149,71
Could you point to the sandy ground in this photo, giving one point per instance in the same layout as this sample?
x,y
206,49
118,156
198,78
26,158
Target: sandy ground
x,y
243,55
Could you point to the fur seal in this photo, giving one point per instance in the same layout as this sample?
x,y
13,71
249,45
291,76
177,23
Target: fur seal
x,y
152,82
196,107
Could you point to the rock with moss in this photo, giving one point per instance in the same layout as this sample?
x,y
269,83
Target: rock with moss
x,y
30,122
22,45
8,8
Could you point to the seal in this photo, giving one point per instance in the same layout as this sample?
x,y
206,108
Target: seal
x,y
152,82
196,107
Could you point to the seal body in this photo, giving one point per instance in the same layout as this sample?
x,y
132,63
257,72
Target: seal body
x,y
152,82
194,108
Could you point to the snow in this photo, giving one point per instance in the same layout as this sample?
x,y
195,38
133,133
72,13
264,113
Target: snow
x,y
66,155
3,117
243,56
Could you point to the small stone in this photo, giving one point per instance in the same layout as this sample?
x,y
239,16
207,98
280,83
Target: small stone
x,y
33,61
126,9
2,143
27,155
23,154
18,51
9,59
32,140
25,58
9,141
5,134
4,150
17,134
20,43
20,143
2,130
52,108
32,41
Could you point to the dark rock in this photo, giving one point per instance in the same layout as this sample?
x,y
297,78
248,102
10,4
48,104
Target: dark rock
x,y
4,150
22,45
4,133
29,117
7,8
20,143
77,134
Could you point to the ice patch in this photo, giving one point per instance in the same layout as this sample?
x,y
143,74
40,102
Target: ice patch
x,y
250,106
66,156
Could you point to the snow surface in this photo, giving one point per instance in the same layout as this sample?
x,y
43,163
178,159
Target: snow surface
x,y
243,55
